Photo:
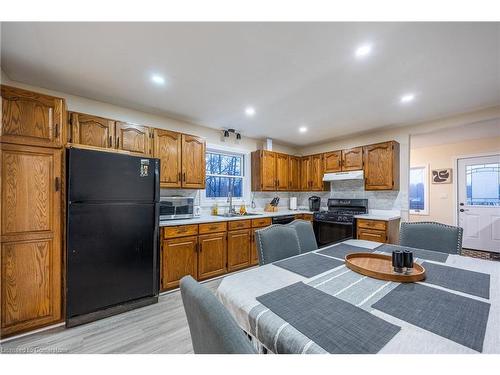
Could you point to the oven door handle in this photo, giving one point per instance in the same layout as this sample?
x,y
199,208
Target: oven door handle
x,y
331,222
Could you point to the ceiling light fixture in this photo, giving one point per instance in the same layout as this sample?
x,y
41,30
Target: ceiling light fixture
x,y
250,111
159,80
363,50
407,98
302,129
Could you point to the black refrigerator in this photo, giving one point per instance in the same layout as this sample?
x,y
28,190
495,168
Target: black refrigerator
x,y
112,234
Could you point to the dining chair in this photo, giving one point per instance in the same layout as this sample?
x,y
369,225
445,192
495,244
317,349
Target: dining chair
x,y
276,242
430,235
305,232
213,329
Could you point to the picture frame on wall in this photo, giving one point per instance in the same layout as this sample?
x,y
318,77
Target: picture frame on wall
x,y
441,176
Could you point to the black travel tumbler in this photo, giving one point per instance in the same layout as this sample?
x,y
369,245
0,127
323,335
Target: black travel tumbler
x,y
398,260
408,259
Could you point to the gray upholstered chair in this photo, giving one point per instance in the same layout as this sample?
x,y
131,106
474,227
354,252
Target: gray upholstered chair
x,y
305,232
276,242
431,236
213,329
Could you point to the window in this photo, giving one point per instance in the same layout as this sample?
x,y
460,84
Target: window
x,y
224,170
483,184
419,191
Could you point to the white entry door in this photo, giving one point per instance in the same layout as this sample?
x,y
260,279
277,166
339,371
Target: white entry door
x,y
479,202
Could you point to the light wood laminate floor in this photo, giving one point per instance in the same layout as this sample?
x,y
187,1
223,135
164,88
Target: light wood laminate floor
x,y
158,328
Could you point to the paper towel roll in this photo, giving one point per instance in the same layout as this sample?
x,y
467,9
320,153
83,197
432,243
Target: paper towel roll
x,y
293,203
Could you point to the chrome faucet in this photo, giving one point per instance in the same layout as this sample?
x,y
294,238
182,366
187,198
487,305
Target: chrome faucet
x,y
232,211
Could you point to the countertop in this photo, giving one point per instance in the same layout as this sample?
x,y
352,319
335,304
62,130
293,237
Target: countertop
x,y
213,219
386,215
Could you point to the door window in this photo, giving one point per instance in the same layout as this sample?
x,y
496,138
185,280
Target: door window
x,y
483,184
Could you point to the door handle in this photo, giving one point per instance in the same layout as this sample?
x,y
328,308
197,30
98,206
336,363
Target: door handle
x,y
462,210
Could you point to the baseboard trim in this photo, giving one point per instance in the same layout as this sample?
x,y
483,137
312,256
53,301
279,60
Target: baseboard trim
x,y
32,332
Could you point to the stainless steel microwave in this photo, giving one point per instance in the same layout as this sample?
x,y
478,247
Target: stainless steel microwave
x,y
176,208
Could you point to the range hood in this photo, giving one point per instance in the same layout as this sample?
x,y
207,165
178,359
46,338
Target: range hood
x,y
338,176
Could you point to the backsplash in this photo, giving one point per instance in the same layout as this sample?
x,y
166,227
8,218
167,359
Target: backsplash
x,y
378,200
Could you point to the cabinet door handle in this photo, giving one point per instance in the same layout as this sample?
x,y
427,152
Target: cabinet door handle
x,y
180,177
110,141
184,176
57,183
117,142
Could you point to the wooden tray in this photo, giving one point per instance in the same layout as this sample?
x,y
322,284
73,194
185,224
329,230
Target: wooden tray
x,y
379,266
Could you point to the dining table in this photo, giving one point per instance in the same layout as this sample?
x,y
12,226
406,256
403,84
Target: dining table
x,y
314,303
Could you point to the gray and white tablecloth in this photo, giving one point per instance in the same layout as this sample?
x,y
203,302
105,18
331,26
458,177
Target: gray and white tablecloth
x,y
457,310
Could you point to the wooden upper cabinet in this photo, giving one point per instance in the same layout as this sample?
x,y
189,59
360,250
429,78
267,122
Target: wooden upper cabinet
x,y
352,159
294,173
282,172
263,171
305,168
193,162
212,255
30,237
91,130
167,148
382,166
316,172
332,161
179,258
133,138
31,119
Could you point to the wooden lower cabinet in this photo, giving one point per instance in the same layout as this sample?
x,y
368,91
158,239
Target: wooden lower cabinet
x,y
254,251
378,230
238,249
212,250
31,263
179,258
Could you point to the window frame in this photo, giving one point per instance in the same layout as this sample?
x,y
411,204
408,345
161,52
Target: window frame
x,y
245,170
425,211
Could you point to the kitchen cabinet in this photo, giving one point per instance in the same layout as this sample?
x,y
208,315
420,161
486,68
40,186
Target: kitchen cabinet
x,y
263,170
311,168
133,138
294,173
31,253
378,230
382,166
167,147
193,162
352,159
29,118
238,249
212,254
333,161
282,176
91,130
254,252
179,258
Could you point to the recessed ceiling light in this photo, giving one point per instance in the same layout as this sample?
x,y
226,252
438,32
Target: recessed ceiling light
x,y
302,129
363,50
250,111
407,98
159,80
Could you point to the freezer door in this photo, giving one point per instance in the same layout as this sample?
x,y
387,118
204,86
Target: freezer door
x,y
112,255
106,176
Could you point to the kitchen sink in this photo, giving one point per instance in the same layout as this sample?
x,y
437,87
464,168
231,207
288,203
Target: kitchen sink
x,y
239,215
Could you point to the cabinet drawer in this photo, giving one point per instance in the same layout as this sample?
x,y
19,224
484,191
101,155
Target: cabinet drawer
x,y
213,227
180,231
262,222
372,224
372,235
239,224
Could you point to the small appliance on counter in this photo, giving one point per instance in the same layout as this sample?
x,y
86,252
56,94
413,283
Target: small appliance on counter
x,y
293,203
314,203
172,208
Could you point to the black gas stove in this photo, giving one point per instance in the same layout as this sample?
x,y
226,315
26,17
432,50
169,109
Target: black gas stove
x,y
338,223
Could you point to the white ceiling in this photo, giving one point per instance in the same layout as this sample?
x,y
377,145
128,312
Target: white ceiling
x,y
294,74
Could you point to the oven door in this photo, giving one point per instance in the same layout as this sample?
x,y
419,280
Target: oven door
x,y
328,232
